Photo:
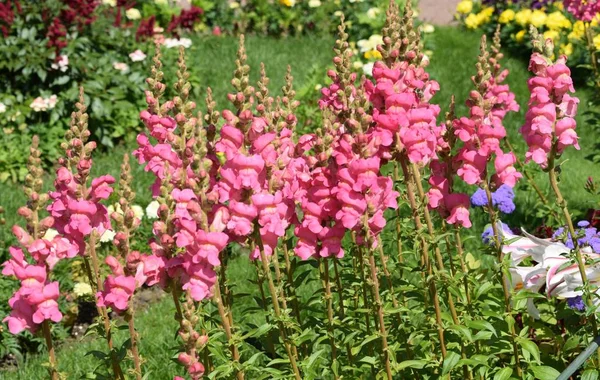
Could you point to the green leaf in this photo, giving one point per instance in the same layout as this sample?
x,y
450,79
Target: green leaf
x,y
482,325
313,358
450,362
418,364
503,374
529,347
544,372
589,374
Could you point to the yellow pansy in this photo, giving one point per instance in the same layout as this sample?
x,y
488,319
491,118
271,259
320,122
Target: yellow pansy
x,y
523,16
578,31
464,7
288,3
566,49
520,36
551,34
559,5
596,41
373,54
472,21
538,18
506,16
557,20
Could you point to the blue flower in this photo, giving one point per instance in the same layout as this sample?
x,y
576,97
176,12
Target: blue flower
x,y
488,234
479,198
576,303
501,198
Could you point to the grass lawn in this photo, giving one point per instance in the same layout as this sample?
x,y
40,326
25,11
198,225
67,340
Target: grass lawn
x,y
212,62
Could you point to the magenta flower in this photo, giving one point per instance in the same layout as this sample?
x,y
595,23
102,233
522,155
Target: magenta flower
x,y
46,307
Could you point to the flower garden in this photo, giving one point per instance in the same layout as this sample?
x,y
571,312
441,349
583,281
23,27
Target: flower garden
x,y
299,189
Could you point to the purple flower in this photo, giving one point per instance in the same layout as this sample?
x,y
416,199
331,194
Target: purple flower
x,y
488,234
588,236
479,198
576,303
502,198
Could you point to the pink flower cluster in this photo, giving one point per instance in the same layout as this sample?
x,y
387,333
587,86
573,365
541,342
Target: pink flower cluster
x,y
584,10
550,119
260,179
403,115
36,300
77,215
480,134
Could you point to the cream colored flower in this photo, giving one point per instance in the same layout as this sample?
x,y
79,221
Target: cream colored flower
x,y
120,66
138,211
373,13
82,289
428,28
133,14
50,234
314,3
107,236
368,68
110,3
2,107
234,5
152,210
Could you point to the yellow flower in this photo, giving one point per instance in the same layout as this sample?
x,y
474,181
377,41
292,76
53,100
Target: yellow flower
x,y
557,20
288,3
234,5
578,31
538,18
523,16
506,16
551,34
472,21
464,7
566,49
559,5
485,15
596,41
373,54
520,36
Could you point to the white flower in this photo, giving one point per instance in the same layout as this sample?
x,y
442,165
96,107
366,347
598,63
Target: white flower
x,y
234,5
133,14
370,44
107,236
173,42
43,104
357,65
122,67
152,210
368,68
110,3
81,289
137,56
318,87
138,211
314,3
428,28
62,64
2,107
50,234
373,12
338,13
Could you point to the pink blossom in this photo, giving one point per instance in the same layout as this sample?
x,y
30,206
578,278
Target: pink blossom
x,y
117,292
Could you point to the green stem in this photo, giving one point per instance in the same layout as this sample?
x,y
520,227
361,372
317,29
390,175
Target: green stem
x,y
227,326
51,355
504,279
275,302
134,343
324,271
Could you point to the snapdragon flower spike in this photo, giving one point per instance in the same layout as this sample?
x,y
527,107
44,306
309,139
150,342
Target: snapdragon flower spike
x,y
550,118
258,162
36,299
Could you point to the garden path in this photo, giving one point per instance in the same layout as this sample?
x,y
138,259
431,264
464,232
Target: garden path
x,y
438,12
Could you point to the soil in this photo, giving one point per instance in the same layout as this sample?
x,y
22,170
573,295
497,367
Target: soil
x,y
437,12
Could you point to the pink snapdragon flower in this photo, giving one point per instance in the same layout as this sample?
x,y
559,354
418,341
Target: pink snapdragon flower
x,y
117,292
551,112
